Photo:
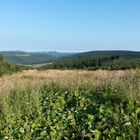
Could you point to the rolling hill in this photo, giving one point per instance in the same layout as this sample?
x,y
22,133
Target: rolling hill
x,y
29,58
111,60
93,60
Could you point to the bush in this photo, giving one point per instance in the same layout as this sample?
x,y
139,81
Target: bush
x,y
107,112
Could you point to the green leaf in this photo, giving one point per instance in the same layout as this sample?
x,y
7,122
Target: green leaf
x,y
97,135
34,125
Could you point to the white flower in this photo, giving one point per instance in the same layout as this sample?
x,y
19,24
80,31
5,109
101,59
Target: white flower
x,y
128,123
6,137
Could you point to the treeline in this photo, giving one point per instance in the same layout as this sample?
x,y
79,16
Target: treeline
x,y
110,60
8,68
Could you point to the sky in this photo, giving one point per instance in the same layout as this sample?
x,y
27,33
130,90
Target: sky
x,y
69,25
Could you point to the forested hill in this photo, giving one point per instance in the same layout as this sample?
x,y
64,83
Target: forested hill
x,y
29,58
7,67
98,60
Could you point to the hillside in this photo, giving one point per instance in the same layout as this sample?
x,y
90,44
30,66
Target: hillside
x,y
8,68
98,60
28,58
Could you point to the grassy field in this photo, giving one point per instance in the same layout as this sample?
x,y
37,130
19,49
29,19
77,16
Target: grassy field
x,y
64,105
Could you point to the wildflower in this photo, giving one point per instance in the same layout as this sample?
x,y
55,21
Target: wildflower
x,y
6,137
128,123
83,134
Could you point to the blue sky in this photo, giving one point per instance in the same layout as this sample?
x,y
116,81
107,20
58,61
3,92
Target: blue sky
x,y
69,25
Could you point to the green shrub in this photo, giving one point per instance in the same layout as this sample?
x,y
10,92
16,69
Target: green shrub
x,y
108,112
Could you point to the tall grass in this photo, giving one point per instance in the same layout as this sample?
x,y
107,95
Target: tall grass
x,y
70,105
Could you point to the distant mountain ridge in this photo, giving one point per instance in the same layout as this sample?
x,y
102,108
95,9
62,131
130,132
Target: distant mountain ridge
x,y
98,60
29,58
86,60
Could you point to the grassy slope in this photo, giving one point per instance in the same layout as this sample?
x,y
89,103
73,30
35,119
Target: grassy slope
x,y
70,105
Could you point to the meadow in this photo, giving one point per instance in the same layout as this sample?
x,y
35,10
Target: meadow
x,y
70,105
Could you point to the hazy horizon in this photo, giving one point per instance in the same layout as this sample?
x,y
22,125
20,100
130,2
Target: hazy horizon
x,y
69,26
39,51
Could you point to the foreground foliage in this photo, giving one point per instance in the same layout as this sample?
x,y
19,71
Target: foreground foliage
x,y
110,111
